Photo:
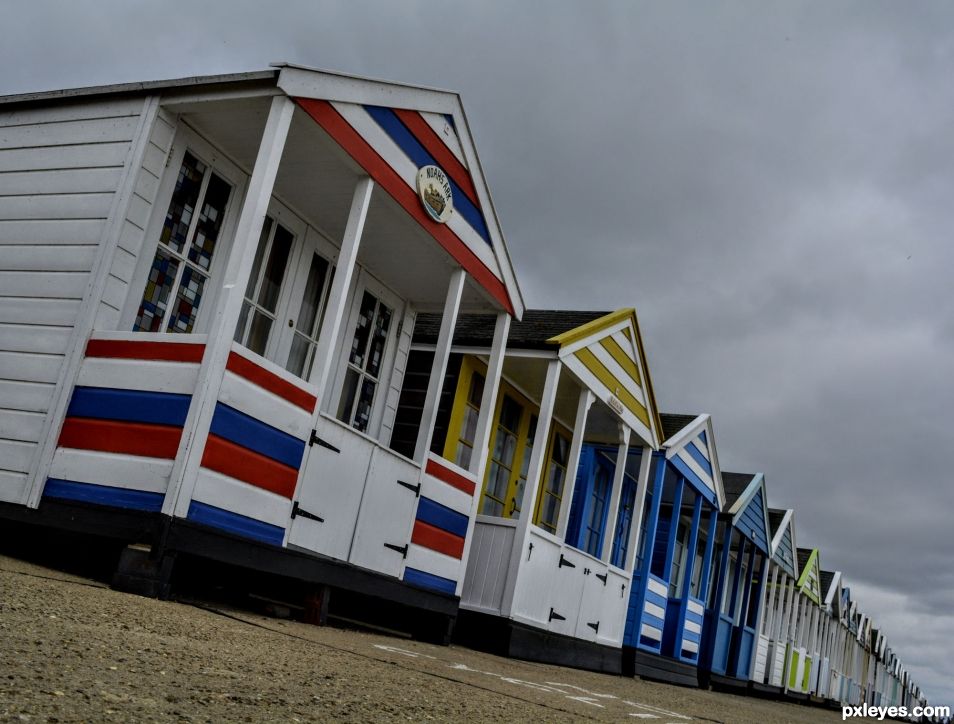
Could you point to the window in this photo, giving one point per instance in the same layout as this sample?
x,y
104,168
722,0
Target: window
x,y
679,555
551,491
264,284
595,518
468,425
695,584
502,458
307,326
624,518
187,243
524,466
365,362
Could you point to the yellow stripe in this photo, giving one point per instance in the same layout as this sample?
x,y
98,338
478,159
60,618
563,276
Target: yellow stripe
x,y
628,334
591,328
624,360
591,362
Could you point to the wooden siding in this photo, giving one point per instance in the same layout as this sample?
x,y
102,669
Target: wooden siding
x,y
785,554
123,266
751,521
59,172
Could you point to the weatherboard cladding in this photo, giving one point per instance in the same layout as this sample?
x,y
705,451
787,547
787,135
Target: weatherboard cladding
x,y
784,555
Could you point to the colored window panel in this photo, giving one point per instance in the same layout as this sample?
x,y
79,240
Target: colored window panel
x,y
183,258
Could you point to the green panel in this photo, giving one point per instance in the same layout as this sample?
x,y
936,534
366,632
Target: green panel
x,y
808,673
793,669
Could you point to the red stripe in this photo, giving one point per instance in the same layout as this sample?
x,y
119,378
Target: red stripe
x,y
448,476
129,349
271,382
427,535
442,154
248,466
377,168
118,436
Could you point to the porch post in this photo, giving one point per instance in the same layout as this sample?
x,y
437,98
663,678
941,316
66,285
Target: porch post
x,y
488,401
707,560
583,405
642,482
455,290
609,533
228,306
673,528
340,285
691,548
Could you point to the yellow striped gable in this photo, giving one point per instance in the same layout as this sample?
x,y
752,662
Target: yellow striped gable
x,y
607,353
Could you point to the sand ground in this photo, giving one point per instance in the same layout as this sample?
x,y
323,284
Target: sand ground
x,y
72,650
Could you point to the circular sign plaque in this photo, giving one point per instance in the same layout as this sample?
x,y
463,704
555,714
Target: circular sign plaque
x,y
434,190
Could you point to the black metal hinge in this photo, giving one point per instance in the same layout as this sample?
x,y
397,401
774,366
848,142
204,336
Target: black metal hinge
x,y
594,626
400,549
415,488
602,577
529,550
555,616
565,562
314,439
298,510
622,590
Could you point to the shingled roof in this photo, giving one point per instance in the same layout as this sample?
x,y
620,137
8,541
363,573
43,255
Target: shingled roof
x,y
826,578
775,517
673,423
532,332
803,555
734,484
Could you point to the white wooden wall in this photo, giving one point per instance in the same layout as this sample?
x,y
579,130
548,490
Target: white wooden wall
x,y
60,168
123,265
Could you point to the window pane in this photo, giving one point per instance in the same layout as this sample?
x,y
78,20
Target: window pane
x,y
242,323
258,333
186,306
275,269
175,230
362,414
259,255
210,222
162,275
462,458
297,356
378,339
348,393
311,301
362,330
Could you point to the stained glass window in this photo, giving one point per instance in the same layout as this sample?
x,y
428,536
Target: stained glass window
x,y
183,257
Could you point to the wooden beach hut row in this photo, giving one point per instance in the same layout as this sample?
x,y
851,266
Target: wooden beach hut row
x,y
268,321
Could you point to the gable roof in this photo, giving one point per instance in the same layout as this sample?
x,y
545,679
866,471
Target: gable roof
x,y
734,485
672,424
809,579
689,442
390,130
746,503
782,532
534,331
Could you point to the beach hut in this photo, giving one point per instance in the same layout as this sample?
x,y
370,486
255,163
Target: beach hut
x,y
803,659
742,552
672,571
829,679
775,626
210,292
565,469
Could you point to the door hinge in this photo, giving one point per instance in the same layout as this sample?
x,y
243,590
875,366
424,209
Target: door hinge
x,y
298,510
554,616
400,549
530,550
314,439
565,562
594,626
602,577
622,590
415,488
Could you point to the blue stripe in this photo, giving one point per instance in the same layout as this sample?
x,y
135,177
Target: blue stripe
x,y
691,636
399,133
442,517
103,495
159,408
254,434
702,436
429,580
653,621
654,597
697,483
694,617
235,523
699,457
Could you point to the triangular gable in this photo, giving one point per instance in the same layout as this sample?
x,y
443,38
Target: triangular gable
x,y
783,544
833,594
692,451
809,582
750,513
607,355
392,130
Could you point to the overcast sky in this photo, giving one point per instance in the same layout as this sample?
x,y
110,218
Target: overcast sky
x,y
770,184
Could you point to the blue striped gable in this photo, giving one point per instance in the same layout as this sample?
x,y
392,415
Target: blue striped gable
x,y
751,520
701,486
785,554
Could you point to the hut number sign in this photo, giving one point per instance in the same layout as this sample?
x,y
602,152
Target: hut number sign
x,y
434,190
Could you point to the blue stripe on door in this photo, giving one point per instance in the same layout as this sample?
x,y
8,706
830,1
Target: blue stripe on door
x,y
103,495
246,431
234,523
442,517
424,579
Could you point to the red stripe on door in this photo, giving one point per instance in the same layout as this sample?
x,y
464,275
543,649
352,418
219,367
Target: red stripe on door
x,y
269,381
248,466
324,114
428,536
119,436
448,476
130,349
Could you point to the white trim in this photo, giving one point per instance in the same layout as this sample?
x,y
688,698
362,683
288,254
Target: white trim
x,y
137,374
650,632
440,126
654,609
657,588
584,403
599,334
685,435
119,471
616,491
621,376
438,564
264,406
236,496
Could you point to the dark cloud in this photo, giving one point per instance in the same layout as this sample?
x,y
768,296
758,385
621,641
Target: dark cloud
x,y
770,184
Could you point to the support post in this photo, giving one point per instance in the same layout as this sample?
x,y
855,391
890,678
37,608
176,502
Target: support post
x,y
707,559
691,550
455,291
609,533
228,306
583,405
340,287
642,482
